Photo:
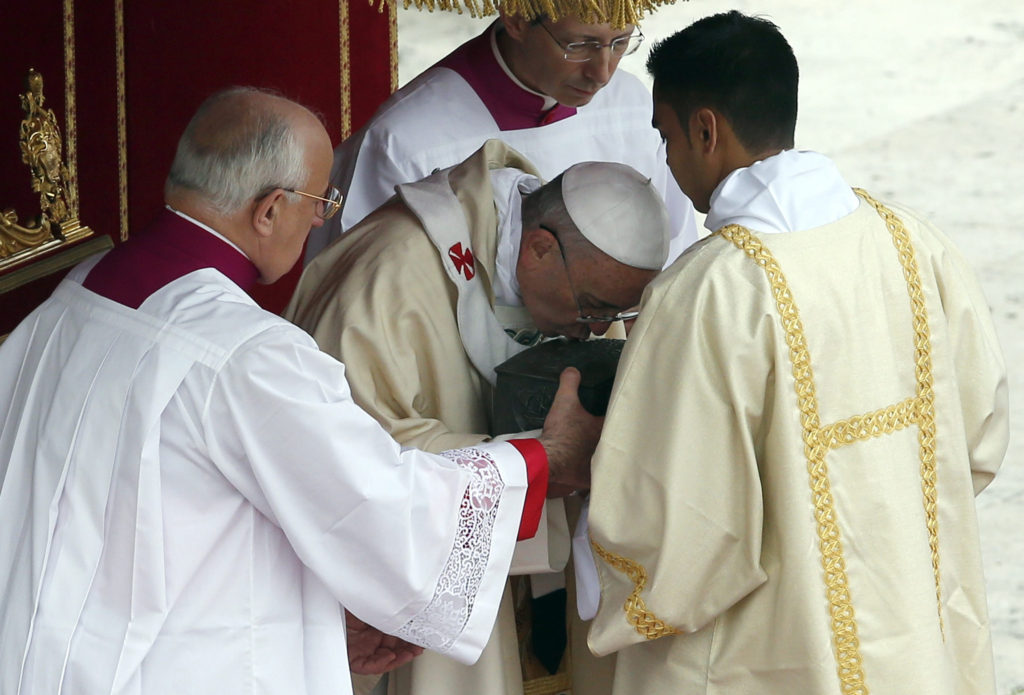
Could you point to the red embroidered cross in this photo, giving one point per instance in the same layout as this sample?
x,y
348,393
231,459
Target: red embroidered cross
x,y
463,260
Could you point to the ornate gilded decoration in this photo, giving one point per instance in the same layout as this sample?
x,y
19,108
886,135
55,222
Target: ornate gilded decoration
x,y
618,13
42,151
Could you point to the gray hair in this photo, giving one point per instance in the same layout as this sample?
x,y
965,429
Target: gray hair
x,y
232,152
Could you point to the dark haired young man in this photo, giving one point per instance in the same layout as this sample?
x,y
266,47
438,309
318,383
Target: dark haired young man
x,y
812,528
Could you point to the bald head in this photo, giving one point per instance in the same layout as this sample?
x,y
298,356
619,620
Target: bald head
x,y
250,165
240,143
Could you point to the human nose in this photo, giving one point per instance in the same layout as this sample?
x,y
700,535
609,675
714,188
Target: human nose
x,y
601,65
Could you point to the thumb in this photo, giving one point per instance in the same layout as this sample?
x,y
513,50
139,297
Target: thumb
x,y
568,385
352,622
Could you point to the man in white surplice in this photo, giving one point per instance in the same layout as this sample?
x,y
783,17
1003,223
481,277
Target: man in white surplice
x,y
544,79
783,494
188,494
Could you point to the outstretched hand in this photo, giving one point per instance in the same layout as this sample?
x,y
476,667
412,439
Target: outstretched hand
x,y
570,436
371,652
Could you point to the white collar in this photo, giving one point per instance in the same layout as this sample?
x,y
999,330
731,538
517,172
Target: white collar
x,y
509,185
209,229
787,192
549,102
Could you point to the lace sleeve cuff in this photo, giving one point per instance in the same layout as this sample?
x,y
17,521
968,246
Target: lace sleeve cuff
x,y
459,617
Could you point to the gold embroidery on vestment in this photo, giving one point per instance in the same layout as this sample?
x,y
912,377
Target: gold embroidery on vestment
x,y
646,622
820,439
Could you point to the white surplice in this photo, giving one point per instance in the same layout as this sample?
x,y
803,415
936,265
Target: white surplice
x,y
438,120
188,497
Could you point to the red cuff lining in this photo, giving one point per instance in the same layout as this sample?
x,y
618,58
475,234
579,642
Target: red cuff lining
x,y
537,479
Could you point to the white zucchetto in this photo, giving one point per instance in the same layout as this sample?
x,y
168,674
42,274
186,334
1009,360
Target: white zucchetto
x,y
619,211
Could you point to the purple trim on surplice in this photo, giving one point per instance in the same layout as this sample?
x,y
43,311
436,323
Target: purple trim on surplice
x,y
511,106
170,248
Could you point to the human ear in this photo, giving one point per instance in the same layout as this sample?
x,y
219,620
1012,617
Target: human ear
x,y
266,210
515,25
704,129
537,245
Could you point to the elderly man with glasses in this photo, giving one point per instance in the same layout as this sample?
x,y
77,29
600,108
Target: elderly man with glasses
x,y
544,79
447,280
189,495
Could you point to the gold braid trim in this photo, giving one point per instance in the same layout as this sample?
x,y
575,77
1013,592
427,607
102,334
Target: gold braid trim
x,y
820,439
646,623
837,590
882,421
925,384
618,13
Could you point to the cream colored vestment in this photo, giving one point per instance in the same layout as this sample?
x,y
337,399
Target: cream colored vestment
x,y
702,509
380,300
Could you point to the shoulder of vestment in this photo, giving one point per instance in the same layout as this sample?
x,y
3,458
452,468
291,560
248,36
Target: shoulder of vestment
x,y
438,99
389,240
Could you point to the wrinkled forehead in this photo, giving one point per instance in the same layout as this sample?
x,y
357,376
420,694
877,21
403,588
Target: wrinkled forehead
x,y
602,283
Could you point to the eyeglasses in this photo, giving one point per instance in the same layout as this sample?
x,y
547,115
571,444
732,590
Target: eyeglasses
x,y
582,51
327,207
585,318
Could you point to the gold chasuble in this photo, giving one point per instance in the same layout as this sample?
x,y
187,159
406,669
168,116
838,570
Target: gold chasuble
x,y
783,495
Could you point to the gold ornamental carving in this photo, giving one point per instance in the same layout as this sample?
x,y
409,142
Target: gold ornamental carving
x,y
41,147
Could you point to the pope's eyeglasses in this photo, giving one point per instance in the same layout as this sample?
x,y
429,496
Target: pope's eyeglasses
x,y
582,51
327,207
585,318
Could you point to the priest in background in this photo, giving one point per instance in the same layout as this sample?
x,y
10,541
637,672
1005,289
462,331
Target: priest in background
x,y
189,495
543,78
816,533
